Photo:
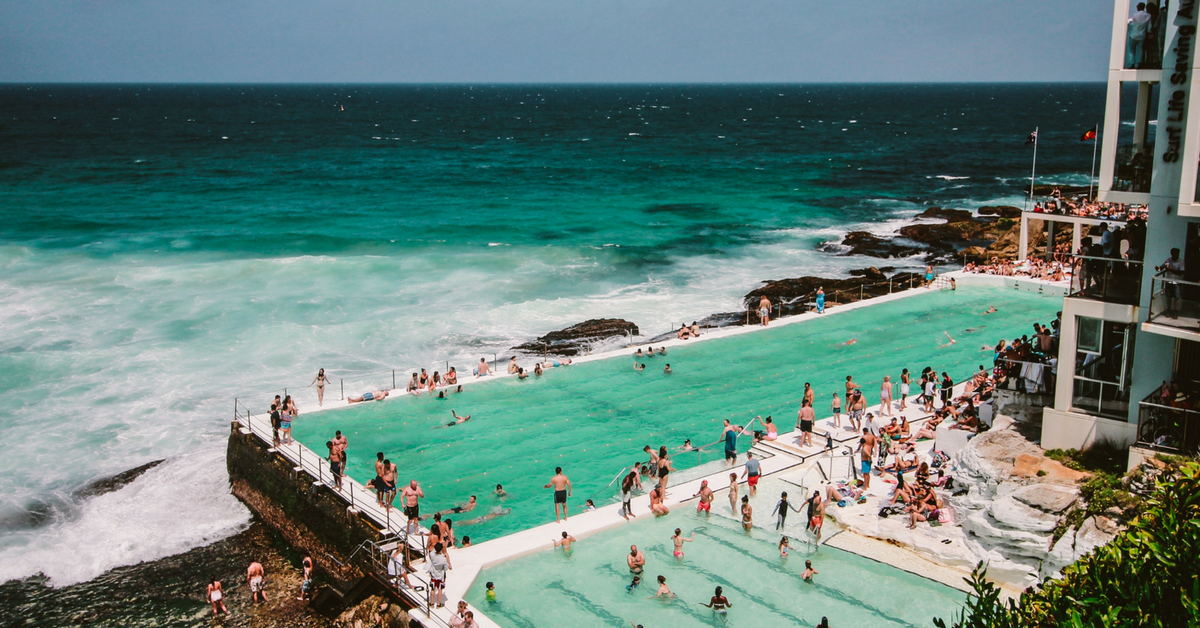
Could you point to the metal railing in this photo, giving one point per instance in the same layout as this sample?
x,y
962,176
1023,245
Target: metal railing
x,y
359,498
1111,280
1167,429
1175,302
403,579
1041,381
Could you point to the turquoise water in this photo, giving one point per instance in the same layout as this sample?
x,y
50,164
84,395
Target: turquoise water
x,y
593,419
166,248
585,588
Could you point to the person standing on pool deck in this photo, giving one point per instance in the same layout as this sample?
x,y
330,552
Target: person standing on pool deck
x,y
764,310
885,396
389,481
706,498
733,493
562,490
320,380
627,485
866,447
664,468
339,439
752,473
336,460
820,300
947,389
809,395
836,408
905,380
730,436
410,498
804,423
438,566
718,602
276,424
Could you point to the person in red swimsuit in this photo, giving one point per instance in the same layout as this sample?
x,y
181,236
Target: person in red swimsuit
x,y
706,498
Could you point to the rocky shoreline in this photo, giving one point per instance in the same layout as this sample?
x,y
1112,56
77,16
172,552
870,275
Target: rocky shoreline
x,y
938,236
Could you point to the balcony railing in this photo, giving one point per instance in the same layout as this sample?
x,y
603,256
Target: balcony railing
x,y
1175,303
1134,167
1166,428
1112,280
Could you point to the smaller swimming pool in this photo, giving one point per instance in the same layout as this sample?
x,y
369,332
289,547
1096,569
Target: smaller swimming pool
x,y
586,587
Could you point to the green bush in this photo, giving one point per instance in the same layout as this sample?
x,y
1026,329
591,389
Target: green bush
x,y
1147,576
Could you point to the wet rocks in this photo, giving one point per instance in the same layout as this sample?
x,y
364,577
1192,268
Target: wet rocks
x,y
1000,211
795,293
114,482
576,339
373,612
871,245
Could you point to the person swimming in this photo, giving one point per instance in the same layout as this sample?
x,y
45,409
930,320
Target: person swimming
x,y
991,310
495,512
457,420
848,342
687,445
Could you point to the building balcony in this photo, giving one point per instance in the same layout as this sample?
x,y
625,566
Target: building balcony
x,y
1111,280
1101,386
1137,44
1174,308
1168,429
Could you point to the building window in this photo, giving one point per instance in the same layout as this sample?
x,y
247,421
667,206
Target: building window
x,y
1102,367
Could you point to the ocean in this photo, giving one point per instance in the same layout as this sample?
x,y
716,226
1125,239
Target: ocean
x,y
165,249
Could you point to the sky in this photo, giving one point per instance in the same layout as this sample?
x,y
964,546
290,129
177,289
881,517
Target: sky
x,y
553,41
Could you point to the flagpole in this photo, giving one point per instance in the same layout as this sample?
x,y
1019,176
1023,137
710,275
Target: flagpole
x,y
1095,147
1033,170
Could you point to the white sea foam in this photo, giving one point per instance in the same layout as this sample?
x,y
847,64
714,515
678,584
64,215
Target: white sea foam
x,y
174,507
950,177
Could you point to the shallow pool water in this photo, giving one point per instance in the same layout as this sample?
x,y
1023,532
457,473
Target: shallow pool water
x,y
593,419
586,587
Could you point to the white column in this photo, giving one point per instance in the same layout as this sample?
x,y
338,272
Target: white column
x,y
1023,246
1141,124
1076,236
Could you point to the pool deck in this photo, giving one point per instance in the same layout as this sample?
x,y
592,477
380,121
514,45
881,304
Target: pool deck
x,y
776,457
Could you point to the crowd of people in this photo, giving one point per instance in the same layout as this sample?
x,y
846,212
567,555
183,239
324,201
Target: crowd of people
x,y
1083,205
1034,268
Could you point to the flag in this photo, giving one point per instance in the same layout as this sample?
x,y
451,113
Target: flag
x,y
1032,139
1089,135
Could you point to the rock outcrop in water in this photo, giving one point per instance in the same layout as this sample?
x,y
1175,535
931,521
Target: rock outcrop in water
x,y
576,339
114,482
961,231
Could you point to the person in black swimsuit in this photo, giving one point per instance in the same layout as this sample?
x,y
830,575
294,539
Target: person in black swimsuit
x,y
664,468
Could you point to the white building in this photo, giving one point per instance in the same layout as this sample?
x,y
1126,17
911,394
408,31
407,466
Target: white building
x,y
1122,336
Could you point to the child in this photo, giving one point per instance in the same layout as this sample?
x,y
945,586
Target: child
x,y
590,505
637,581
837,411
466,541
491,592
783,547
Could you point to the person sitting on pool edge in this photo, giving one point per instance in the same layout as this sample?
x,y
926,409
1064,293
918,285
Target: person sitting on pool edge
x,y
374,395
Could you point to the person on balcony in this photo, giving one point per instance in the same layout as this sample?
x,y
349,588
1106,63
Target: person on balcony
x,y
1139,26
1172,269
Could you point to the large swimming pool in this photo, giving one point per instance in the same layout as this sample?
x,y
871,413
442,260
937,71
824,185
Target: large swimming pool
x,y
586,587
593,419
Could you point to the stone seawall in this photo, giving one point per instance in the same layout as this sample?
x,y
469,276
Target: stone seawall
x,y
313,519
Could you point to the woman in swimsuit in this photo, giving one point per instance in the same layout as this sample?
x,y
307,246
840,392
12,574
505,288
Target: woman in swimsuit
x,y
451,377
733,492
718,602
216,595
664,468
772,431
320,380
904,382
678,540
747,514
285,419
885,396
663,589
537,369
627,485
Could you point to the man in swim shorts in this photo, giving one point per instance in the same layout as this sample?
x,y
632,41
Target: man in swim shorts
x,y
562,490
804,421
374,395
636,560
410,499
389,481
706,498
257,579
752,473
866,447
